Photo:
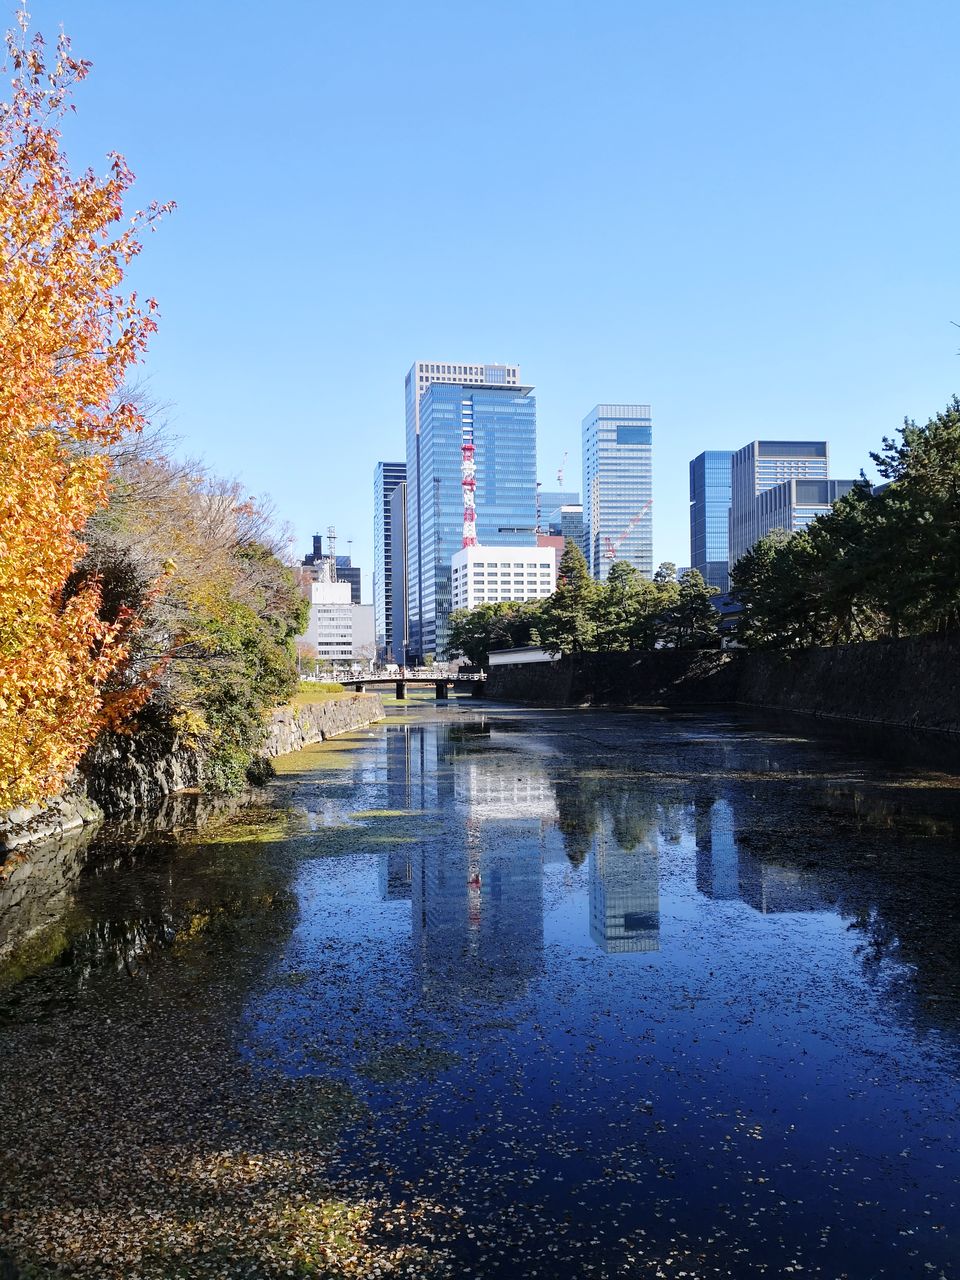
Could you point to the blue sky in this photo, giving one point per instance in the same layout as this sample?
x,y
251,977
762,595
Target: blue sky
x,y
743,214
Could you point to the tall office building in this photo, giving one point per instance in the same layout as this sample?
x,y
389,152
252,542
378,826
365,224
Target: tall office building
x,y
561,516
449,405
759,466
386,477
710,516
794,503
397,649
618,487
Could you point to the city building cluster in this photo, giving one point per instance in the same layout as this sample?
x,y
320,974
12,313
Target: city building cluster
x,y
463,520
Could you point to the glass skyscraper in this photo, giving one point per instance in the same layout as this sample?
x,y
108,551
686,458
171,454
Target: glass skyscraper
x,y
386,477
618,487
759,466
710,516
447,406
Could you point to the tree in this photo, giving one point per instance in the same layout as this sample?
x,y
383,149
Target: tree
x,y
505,624
618,602
692,620
68,336
567,619
920,508
222,621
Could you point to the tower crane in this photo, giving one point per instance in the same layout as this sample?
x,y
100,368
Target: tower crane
x,y
612,545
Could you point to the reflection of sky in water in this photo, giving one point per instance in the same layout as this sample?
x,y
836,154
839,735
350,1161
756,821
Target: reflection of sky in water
x,y
621,1006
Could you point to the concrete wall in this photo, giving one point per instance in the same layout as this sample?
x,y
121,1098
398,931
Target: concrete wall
x,y
912,682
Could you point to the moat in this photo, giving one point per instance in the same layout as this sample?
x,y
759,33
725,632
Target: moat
x,y
499,992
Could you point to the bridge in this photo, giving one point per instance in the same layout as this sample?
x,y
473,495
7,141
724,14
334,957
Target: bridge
x,y
472,682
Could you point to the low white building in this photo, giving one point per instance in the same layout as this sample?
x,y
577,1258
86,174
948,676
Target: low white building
x,y
338,631
487,575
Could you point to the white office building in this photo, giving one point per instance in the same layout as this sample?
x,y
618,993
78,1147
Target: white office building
x,y
337,630
486,575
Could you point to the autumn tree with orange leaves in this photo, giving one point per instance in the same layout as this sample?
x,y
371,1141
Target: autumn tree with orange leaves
x,y
68,337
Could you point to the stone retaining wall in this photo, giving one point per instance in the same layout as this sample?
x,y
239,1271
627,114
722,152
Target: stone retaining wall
x,y
126,774
293,728
913,682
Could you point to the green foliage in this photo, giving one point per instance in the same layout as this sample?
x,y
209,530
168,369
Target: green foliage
x,y
690,620
567,619
627,611
879,564
216,640
503,625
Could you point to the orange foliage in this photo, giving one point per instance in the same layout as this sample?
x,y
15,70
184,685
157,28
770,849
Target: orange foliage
x,y
67,338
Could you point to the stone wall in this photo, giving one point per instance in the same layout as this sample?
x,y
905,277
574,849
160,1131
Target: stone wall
x,y
654,678
292,728
125,774
48,820
913,682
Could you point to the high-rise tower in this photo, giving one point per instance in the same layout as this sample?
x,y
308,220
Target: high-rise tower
x,y
386,477
759,466
618,487
710,516
448,406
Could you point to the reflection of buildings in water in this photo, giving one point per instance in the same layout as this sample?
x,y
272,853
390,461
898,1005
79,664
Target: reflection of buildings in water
x,y
770,887
624,895
492,789
478,912
718,871
396,875
725,870
478,897
416,776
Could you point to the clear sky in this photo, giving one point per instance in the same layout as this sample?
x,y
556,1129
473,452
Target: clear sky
x,y
744,214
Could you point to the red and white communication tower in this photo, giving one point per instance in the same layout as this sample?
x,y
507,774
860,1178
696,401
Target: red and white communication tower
x,y
468,482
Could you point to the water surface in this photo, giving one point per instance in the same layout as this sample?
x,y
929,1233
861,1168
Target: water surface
x,y
504,993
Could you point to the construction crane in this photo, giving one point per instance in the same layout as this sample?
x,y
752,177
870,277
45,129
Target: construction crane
x,y
612,545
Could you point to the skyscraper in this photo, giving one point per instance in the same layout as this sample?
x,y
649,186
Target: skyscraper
x,y
618,487
710,516
449,405
793,504
759,466
397,649
386,477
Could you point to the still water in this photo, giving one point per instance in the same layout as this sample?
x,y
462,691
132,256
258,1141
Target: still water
x,y
506,993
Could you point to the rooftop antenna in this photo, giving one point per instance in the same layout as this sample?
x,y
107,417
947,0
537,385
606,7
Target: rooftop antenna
x,y
332,550
563,463
468,483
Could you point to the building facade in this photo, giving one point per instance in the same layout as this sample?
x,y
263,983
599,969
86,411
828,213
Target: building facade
x,y
794,503
316,567
618,487
386,477
486,575
710,516
397,647
759,466
561,516
448,406
338,631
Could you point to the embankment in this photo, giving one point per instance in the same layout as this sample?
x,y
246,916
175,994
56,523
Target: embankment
x,y
125,774
292,728
913,682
